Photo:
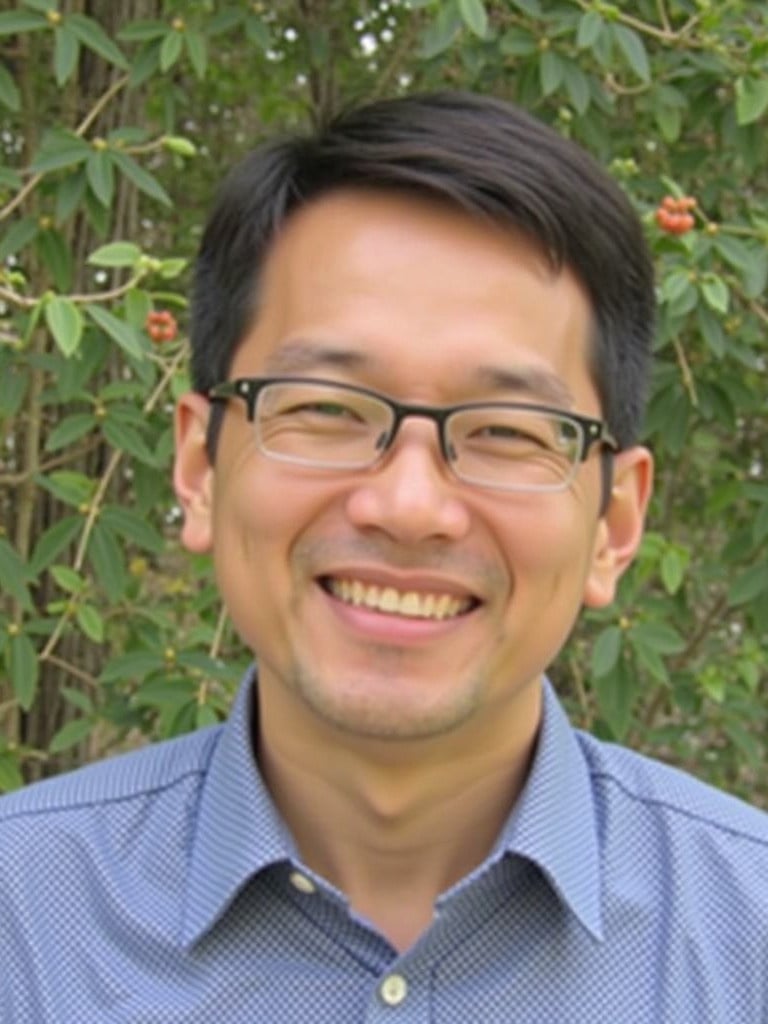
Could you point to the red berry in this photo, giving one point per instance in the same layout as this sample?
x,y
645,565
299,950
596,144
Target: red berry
x,y
161,326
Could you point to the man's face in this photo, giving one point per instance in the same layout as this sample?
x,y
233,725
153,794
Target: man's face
x,y
428,306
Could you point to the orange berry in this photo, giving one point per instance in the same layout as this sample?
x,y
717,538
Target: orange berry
x,y
161,325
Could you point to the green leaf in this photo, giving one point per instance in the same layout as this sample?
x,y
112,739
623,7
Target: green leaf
x,y
21,659
13,22
10,96
132,527
755,279
115,254
131,667
90,622
137,304
10,179
751,99
141,179
56,257
672,569
577,87
205,716
658,636
127,337
44,6
633,48
551,72
65,323
675,285
474,16
59,149
14,575
606,650
69,195
66,50
649,657
670,122
616,692
71,734
441,33
141,31
106,557
126,439
749,584
10,773
715,292
92,35
100,173
78,699
70,487
145,63
170,50
14,383
530,7
71,429
171,268
19,234
516,42
197,48
224,21
591,24
257,32
735,252
67,579
53,541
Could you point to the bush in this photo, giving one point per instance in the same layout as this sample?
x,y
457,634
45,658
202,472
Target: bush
x,y
118,119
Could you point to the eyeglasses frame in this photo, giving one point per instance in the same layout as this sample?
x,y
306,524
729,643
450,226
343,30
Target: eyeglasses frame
x,y
593,431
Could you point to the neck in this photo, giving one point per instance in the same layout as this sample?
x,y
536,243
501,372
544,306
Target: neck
x,y
392,824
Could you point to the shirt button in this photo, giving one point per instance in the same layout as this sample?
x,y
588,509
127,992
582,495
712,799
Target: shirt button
x,y
393,989
302,883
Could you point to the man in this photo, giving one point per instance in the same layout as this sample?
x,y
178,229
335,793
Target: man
x,y
420,348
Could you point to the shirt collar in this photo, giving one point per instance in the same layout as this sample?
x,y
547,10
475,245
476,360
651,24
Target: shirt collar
x,y
554,821
239,831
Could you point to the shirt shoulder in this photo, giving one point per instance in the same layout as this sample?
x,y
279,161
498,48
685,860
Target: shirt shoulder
x,y
683,801
124,777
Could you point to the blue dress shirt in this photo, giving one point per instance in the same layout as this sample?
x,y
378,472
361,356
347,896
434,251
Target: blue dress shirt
x,y
161,887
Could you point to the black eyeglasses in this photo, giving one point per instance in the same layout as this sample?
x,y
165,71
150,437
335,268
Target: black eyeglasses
x,y
511,446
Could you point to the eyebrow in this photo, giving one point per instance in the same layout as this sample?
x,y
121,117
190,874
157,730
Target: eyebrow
x,y
300,355
530,380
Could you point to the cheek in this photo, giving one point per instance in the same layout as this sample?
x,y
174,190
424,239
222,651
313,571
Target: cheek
x,y
549,544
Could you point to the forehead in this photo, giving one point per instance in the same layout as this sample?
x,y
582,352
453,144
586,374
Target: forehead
x,y
377,280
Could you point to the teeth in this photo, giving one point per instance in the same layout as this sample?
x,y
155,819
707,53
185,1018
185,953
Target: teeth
x,y
395,602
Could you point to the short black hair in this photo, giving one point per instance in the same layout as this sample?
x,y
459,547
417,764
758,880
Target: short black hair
x,y
480,154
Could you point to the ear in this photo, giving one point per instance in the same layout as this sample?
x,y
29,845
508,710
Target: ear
x,y
620,529
193,473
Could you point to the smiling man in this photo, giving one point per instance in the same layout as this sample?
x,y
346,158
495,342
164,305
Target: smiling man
x,y
420,349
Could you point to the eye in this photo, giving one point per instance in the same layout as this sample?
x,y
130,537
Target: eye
x,y
321,409
511,434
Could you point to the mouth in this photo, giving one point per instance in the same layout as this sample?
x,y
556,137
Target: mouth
x,y
388,600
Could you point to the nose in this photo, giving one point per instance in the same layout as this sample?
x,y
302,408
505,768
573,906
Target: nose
x,y
410,495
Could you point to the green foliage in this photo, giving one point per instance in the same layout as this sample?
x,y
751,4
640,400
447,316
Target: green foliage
x,y
116,130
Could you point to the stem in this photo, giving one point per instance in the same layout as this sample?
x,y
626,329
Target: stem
x,y
219,634
685,370
81,129
78,673
95,505
13,297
